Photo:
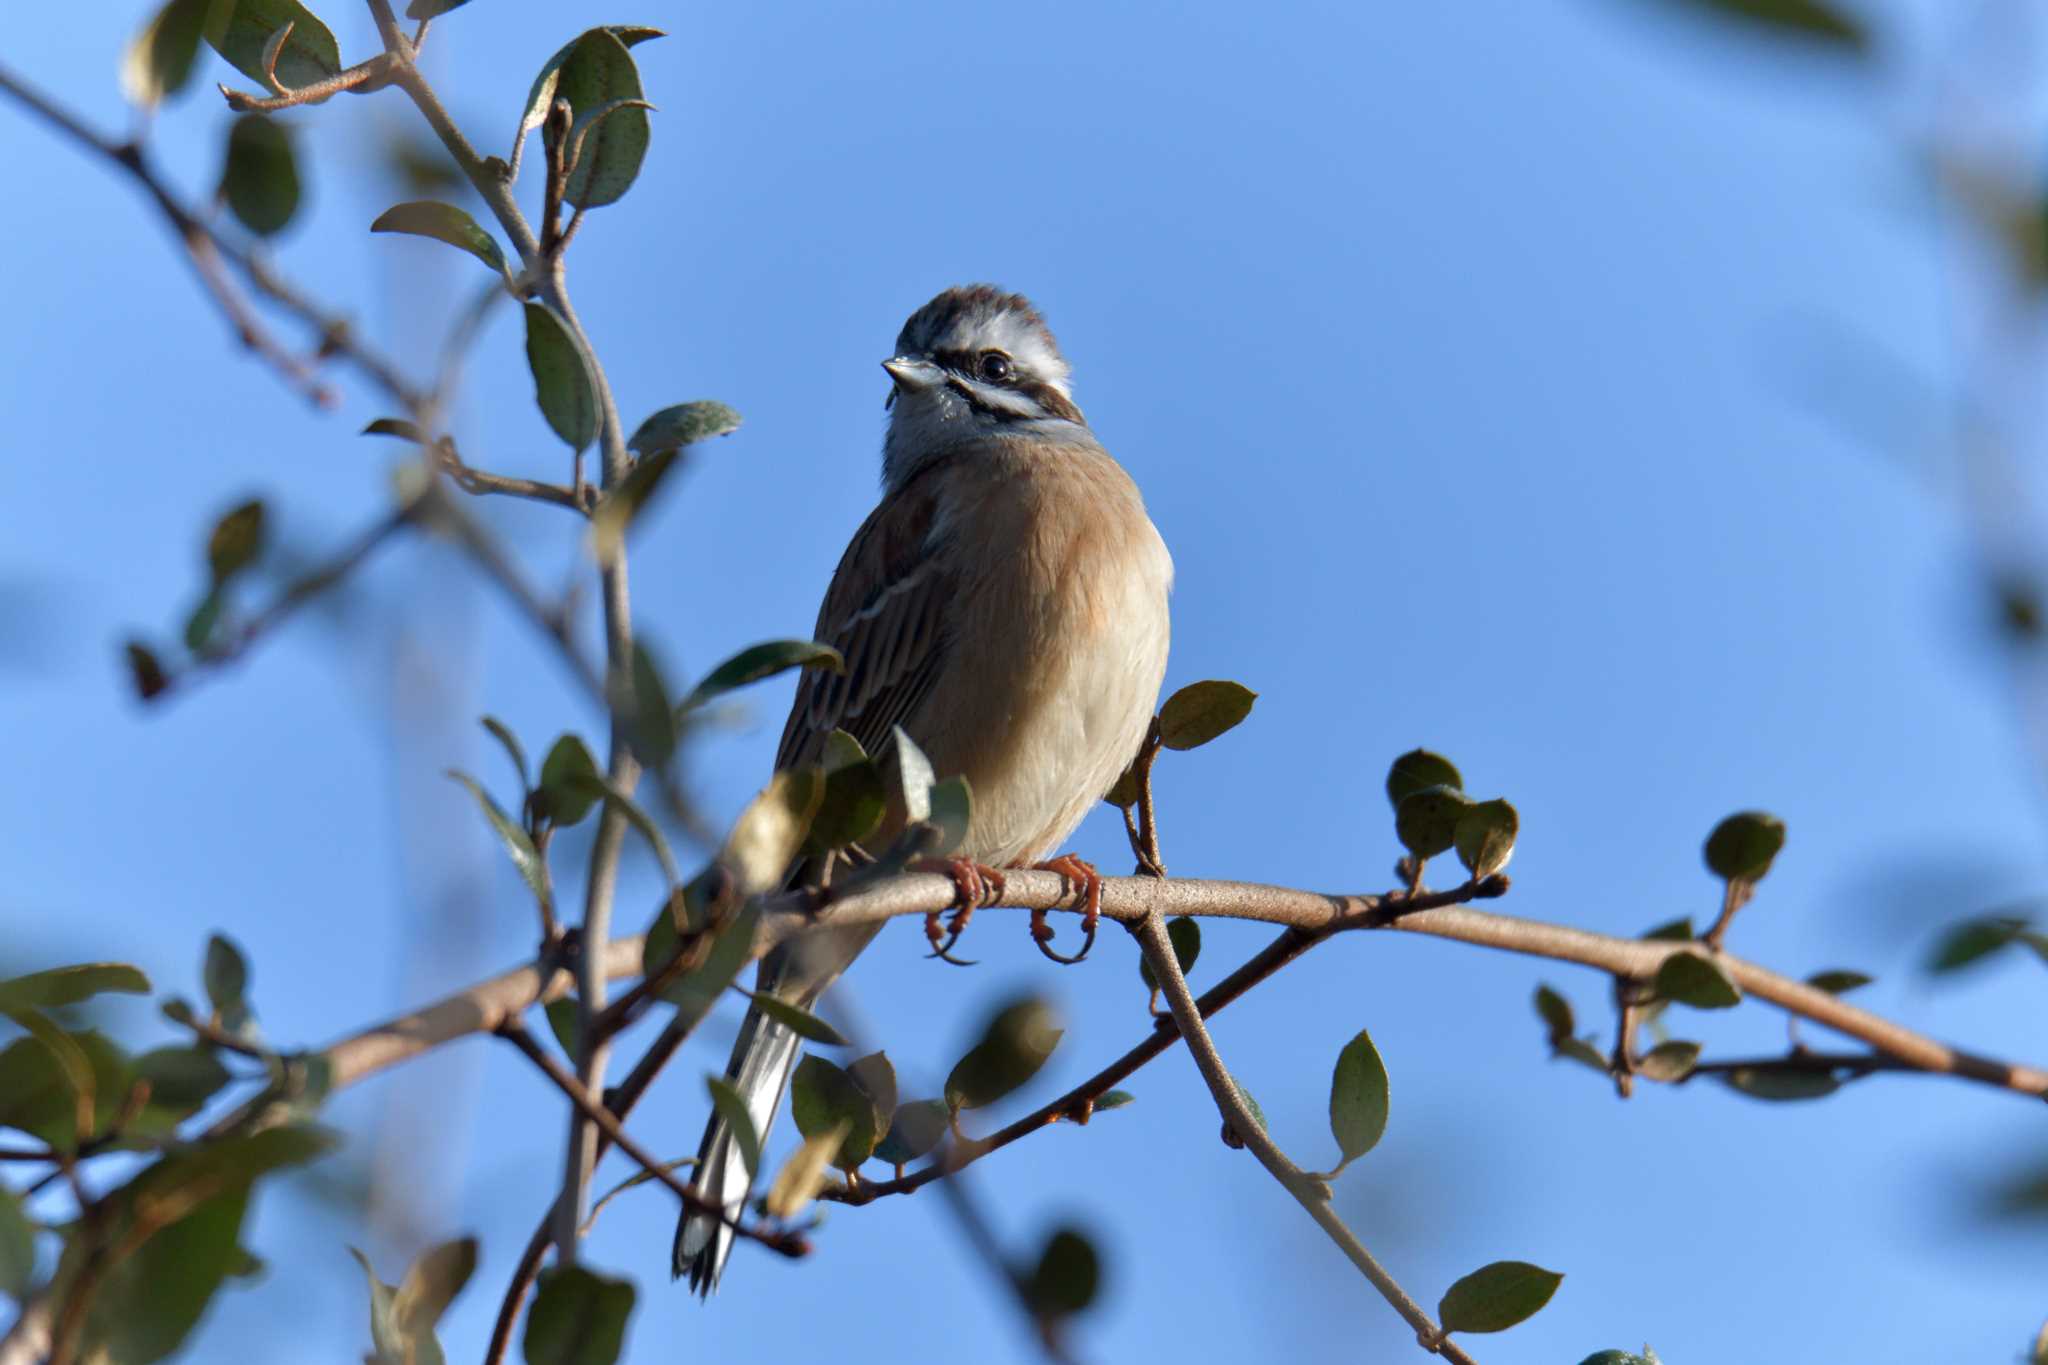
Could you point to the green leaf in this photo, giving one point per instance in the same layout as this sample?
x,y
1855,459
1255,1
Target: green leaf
x,y
517,846
1185,935
570,782
876,1077
1808,20
1743,846
565,1021
1426,822
226,977
1485,837
952,812
725,1098
17,1246
1556,1012
514,750
74,1068
395,426
914,776
69,985
771,830
1838,982
1975,939
917,1127
1496,1297
443,223
561,381
683,424
577,1318
1358,1098
240,30
824,1099
145,671
1067,1277
1580,1051
1417,770
1697,980
1648,1357
235,541
429,9
1781,1085
796,1019
599,72
1115,1099
159,60
39,1087
803,1175
600,785
541,96
181,1081
1673,931
1123,793
1013,1045
1250,1104
431,1283
649,717
1672,1061
148,1303
764,660
622,506
852,808
205,617
730,951
261,177
1203,711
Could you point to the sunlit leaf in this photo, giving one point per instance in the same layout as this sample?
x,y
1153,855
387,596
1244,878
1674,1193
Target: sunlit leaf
x,y
69,985
159,60
517,845
1485,837
797,1020
803,1175
1203,711
770,831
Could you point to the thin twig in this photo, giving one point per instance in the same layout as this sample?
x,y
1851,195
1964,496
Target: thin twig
x,y
1311,1194
209,252
364,76
788,1244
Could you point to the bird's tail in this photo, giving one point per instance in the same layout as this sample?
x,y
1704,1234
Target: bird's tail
x,y
762,1059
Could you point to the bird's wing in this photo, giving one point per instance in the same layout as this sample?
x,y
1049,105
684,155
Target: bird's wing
x,y
884,613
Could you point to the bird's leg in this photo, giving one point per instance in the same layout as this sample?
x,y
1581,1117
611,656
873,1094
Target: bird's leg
x,y
1089,883
974,884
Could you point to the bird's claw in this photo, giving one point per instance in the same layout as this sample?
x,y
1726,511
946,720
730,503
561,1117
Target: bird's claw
x,y
974,884
1089,883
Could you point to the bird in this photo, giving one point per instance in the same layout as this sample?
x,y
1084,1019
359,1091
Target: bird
x,y
1005,604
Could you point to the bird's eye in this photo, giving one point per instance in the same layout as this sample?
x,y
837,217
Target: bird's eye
x,y
996,367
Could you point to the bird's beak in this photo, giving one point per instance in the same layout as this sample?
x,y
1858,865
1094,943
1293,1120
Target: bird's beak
x,y
913,375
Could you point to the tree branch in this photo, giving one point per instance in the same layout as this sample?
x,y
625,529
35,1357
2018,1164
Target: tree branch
x,y
786,1243
1313,1195
209,252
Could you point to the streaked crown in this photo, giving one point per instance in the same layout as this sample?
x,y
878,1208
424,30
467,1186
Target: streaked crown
x,y
962,323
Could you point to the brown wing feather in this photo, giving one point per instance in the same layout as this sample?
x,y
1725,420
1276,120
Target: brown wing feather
x,y
882,614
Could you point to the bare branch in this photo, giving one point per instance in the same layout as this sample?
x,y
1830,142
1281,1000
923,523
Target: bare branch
x,y
1313,1195
363,77
209,253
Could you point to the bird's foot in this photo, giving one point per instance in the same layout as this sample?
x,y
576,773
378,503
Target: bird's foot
x,y
974,884
1088,882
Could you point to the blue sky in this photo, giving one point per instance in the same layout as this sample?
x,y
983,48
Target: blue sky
x,y
1465,362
